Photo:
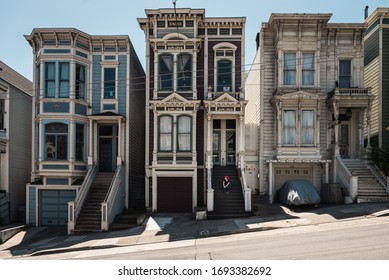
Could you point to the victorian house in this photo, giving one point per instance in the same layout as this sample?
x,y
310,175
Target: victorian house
x,y
15,143
307,85
195,110
88,129
376,69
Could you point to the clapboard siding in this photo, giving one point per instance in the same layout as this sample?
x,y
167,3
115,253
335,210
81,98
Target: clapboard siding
x,y
385,87
372,80
19,163
96,85
371,47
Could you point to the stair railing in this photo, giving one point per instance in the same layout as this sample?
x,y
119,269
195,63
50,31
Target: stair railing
x,y
347,179
113,197
245,189
74,207
380,176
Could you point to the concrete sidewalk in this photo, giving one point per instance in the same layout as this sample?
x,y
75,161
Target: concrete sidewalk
x,y
174,227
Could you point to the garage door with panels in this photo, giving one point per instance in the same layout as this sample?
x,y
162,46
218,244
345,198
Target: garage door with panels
x,y
54,207
174,194
282,174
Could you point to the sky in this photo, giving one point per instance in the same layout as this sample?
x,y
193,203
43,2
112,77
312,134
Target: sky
x,y
119,17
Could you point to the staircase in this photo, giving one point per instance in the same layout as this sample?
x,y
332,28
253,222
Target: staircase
x,y
227,205
369,190
89,219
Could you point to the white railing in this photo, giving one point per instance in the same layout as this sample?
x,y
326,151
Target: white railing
x,y
74,207
245,189
347,179
107,212
380,176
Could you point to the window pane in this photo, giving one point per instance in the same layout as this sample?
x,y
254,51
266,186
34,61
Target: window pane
x,y
307,127
224,76
109,83
56,139
308,66
50,79
184,133
289,127
344,73
184,66
165,124
62,146
64,80
165,142
80,82
50,149
165,133
165,72
289,69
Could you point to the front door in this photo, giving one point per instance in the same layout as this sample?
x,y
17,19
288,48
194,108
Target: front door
x,y
105,155
344,140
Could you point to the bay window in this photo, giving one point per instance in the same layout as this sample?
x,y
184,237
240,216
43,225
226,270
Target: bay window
x,y
224,75
289,127
165,79
184,71
298,130
57,79
50,79
64,85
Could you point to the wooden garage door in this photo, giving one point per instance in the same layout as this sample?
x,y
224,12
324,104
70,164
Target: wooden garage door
x,y
54,207
174,194
282,174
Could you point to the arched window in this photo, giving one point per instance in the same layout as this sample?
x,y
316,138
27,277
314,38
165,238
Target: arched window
x,y
56,141
165,78
224,67
184,133
165,126
184,71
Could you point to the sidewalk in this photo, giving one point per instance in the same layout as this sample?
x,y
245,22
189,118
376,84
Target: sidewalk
x,y
173,227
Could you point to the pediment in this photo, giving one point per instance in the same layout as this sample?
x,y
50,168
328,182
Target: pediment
x,y
226,98
296,95
174,98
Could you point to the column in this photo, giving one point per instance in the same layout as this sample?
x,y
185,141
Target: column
x,y
210,192
90,143
95,139
155,145
71,145
120,143
194,74
368,121
194,142
336,127
271,190
174,139
175,73
155,91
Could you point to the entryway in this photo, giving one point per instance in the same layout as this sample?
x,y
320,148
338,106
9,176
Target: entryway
x,y
224,142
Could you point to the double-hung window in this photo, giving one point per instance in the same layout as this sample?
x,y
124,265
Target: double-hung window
x,y
345,73
165,79
289,127
224,75
307,127
64,75
308,69
165,133
56,141
80,82
109,83
80,142
184,133
290,69
184,71
50,79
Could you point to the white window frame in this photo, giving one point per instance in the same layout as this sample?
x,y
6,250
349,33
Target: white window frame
x,y
114,101
351,70
225,47
298,128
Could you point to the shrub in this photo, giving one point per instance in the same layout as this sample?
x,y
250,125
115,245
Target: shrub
x,y
379,157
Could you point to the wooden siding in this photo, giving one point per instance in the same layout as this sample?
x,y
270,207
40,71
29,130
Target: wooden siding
x,y
32,205
19,157
372,80
122,84
385,87
371,47
151,73
96,85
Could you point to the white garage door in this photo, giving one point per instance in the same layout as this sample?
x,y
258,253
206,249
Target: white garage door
x,y
282,174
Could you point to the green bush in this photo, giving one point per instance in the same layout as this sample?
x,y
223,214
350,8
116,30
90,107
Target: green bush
x,y
379,157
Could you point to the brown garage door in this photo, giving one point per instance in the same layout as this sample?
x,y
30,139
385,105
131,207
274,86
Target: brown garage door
x,y
174,194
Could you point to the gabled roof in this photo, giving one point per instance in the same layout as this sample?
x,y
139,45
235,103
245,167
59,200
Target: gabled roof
x,y
15,79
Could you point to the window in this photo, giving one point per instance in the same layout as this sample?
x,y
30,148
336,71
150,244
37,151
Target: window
x,y
289,69
80,142
50,79
56,141
224,75
57,85
165,78
64,74
344,73
109,83
307,127
80,82
184,71
184,133
2,111
289,128
165,133
308,69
